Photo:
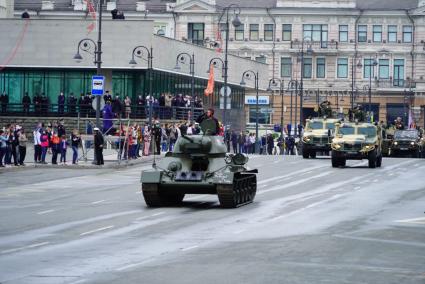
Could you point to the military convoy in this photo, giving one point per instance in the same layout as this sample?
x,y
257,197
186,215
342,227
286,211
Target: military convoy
x,y
357,141
317,137
199,165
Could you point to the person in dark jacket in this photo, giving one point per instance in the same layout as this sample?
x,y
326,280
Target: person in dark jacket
x,y
26,101
157,134
107,97
270,144
36,100
44,104
72,104
234,139
209,115
117,106
61,103
4,99
98,146
81,105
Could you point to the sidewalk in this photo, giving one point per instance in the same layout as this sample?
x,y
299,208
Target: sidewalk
x,y
110,157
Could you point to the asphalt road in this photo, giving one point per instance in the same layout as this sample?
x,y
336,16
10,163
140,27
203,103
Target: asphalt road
x,y
309,223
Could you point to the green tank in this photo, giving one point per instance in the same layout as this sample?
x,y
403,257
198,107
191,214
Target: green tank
x,y
199,164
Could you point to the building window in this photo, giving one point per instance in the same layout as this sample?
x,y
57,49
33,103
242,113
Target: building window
x,y
286,32
362,33
196,33
342,68
377,33
268,32
399,72
307,68
261,59
317,33
368,68
239,32
392,33
343,33
384,68
407,33
286,67
253,32
263,118
320,68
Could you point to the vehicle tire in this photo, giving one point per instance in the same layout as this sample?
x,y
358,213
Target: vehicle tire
x,y
335,162
372,159
379,161
313,154
306,153
416,154
342,162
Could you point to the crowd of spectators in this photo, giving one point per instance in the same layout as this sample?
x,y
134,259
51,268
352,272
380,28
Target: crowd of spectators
x,y
166,106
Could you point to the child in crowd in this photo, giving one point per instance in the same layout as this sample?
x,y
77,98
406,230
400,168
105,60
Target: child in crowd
x,y
55,148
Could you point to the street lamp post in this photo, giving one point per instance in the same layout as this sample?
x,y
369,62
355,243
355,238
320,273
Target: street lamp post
x,y
281,85
247,74
309,51
181,59
236,23
291,85
138,52
85,45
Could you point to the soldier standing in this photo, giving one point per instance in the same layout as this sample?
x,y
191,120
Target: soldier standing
x,y
26,101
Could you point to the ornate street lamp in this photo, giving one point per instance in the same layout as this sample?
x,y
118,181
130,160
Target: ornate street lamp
x,y
181,59
247,75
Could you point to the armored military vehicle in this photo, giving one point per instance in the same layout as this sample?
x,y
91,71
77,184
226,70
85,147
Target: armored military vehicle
x,y
317,137
357,141
199,164
407,142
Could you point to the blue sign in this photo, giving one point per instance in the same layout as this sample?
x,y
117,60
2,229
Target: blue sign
x,y
98,83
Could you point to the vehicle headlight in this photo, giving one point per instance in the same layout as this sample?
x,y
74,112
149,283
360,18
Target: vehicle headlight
x,y
396,143
412,143
368,147
174,166
306,139
336,146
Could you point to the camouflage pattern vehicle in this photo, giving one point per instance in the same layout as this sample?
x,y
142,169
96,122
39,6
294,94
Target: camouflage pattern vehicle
x,y
357,141
407,142
317,136
199,165
387,140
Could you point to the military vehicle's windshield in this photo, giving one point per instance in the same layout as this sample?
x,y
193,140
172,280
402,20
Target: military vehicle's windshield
x,y
346,130
367,131
411,134
315,125
330,125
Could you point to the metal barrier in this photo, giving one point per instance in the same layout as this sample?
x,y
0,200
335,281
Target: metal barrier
x,y
135,112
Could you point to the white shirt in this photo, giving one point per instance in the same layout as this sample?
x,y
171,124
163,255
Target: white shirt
x,y
37,136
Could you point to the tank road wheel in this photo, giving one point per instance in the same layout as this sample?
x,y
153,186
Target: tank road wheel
x,y
241,192
155,198
372,159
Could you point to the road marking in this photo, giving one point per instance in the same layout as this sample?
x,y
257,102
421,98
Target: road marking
x,y
420,220
79,281
25,247
131,265
153,215
391,174
98,202
97,230
45,212
289,175
238,232
189,248
375,180
404,243
279,187
357,187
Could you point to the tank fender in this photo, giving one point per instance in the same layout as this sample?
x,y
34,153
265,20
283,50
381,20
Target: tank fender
x,y
254,171
223,177
151,177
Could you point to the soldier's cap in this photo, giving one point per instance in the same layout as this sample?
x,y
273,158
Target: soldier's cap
x,y
96,129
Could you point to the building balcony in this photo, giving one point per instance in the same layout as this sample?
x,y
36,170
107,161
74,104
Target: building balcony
x,y
315,45
394,83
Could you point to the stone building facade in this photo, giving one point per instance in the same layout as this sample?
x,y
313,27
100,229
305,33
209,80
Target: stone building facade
x,y
366,52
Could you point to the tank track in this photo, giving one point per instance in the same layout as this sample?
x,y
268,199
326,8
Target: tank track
x,y
240,193
154,198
